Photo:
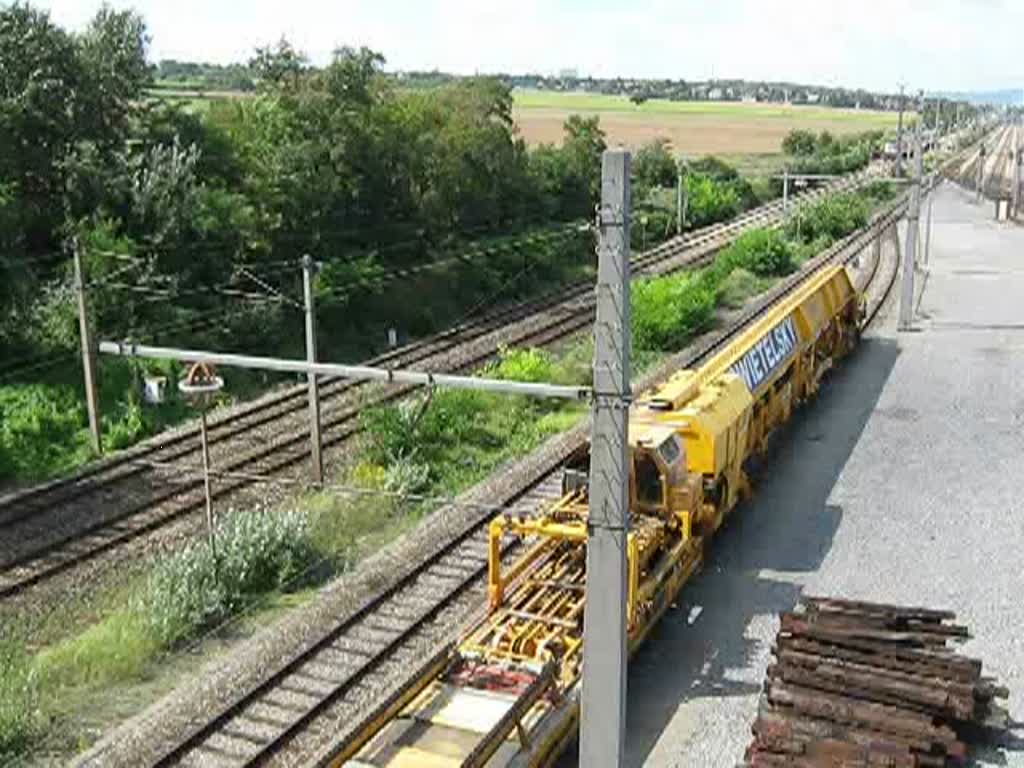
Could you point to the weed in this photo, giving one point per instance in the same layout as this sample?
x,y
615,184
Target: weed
x,y
117,648
193,588
740,286
20,718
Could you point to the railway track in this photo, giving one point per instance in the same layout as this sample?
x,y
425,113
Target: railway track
x,y
127,497
966,171
340,671
994,174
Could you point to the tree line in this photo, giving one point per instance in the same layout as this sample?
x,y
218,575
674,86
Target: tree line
x,y
336,162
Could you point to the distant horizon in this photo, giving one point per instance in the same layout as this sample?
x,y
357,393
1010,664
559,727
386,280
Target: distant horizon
x,y
945,45
1011,96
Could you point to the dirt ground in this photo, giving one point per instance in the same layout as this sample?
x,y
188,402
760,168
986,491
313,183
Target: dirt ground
x,y
689,133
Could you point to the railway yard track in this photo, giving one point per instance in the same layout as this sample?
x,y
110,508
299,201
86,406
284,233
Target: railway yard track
x,y
58,527
344,674
997,167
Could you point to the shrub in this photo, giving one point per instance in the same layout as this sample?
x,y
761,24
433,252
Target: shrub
x,y
832,218
192,589
41,430
532,364
799,142
654,166
667,311
765,252
419,428
714,168
709,200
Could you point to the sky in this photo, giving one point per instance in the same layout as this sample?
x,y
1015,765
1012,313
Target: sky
x,y
876,44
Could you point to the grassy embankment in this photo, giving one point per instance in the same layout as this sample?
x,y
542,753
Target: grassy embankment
x,y
60,695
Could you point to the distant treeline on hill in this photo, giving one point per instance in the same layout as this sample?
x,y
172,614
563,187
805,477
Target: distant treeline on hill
x,y
242,77
204,76
682,90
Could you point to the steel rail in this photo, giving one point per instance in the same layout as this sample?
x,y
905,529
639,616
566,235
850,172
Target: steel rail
x,y
19,505
89,542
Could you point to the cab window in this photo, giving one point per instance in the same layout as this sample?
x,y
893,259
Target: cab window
x,y
648,480
670,450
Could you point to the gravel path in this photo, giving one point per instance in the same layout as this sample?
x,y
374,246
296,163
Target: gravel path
x,y
900,484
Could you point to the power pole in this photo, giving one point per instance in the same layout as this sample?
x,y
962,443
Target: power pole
x,y
92,399
981,170
785,193
899,137
603,714
910,254
681,197
308,270
1016,171
928,227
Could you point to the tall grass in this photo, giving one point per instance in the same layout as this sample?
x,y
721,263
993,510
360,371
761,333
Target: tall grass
x,y
19,701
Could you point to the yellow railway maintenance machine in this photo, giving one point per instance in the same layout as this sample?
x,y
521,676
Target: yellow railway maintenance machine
x,y
509,696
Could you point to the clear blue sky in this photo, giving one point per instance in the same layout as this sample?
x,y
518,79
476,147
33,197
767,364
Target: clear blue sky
x,y
931,44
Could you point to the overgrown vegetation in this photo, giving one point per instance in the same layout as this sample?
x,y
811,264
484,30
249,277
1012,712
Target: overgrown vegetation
x,y
435,444
398,193
19,701
668,311
827,154
715,192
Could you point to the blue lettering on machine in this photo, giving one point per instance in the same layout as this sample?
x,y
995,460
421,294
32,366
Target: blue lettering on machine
x,y
765,357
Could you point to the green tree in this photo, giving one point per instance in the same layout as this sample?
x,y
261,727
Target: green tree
x,y
40,82
279,65
799,142
112,55
654,166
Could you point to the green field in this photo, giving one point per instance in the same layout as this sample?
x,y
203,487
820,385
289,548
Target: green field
x,y
597,102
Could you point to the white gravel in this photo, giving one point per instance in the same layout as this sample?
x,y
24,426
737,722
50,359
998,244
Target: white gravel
x,y
901,483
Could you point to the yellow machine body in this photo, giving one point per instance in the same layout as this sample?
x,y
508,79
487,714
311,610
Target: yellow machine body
x,y
509,695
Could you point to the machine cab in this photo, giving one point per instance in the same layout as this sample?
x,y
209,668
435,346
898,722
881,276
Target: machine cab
x,y
658,466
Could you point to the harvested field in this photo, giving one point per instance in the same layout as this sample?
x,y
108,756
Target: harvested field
x,y
692,127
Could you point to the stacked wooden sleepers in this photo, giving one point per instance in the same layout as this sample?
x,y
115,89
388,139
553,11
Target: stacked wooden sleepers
x,y
868,685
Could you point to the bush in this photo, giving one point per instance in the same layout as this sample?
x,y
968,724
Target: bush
x,y
799,142
192,590
763,252
654,166
831,219
667,311
714,168
420,427
709,201
532,364
42,430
